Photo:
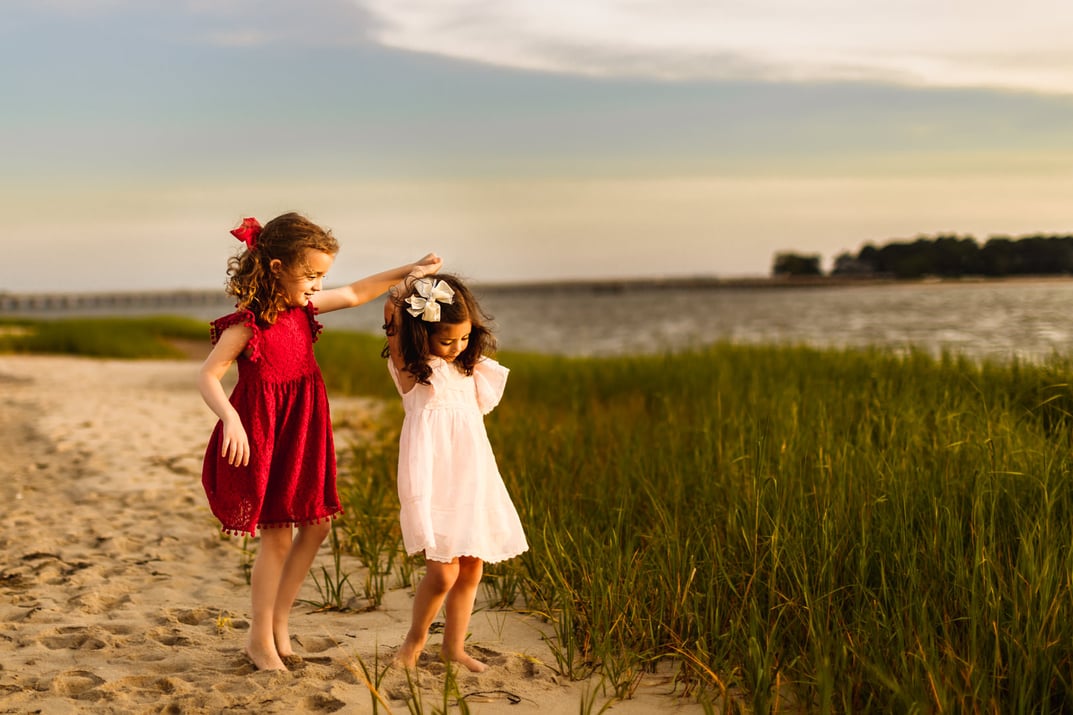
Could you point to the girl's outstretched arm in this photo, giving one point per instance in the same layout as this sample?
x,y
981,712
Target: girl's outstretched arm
x,y
368,288
236,444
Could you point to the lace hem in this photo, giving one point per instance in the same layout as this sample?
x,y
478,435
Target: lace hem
x,y
493,560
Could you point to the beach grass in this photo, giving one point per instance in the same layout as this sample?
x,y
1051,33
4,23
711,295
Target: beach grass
x,y
789,528
127,338
836,530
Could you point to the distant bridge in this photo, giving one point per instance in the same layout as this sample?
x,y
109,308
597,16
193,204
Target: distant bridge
x,y
12,303
67,302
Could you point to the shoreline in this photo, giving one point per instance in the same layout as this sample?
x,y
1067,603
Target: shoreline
x,y
761,282
14,305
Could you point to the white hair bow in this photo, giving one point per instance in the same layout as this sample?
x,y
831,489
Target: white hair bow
x,y
425,303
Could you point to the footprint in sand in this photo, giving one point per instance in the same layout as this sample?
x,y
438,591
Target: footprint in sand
x,y
151,685
315,644
72,638
169,637
97,603
72,683
122,629
189,616
489,657
321,703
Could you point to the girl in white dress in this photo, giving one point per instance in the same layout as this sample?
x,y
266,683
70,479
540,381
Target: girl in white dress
x,y
454,505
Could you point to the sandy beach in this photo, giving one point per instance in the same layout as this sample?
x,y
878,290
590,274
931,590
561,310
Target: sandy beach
x,y
118,594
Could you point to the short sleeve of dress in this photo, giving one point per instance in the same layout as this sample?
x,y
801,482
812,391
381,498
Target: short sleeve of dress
x,y
315,326
491,379
239,317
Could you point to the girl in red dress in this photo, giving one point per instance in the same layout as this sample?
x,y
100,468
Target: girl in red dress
x,y
270,463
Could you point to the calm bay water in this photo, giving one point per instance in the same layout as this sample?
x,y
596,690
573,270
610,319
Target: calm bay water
x,y
1028,319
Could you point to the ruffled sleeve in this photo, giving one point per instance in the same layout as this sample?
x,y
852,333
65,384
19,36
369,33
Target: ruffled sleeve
x,y
239,317
491,379
315,326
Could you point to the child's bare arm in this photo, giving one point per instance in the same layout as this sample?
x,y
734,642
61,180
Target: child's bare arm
x,y
236,444
368,288
391,328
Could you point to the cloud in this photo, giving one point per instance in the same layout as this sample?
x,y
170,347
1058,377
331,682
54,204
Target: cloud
x,y
222,23
982,43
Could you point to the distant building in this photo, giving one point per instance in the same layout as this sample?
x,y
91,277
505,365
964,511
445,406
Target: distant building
x,y
846,264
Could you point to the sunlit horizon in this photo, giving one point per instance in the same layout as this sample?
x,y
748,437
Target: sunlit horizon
x,y
631,140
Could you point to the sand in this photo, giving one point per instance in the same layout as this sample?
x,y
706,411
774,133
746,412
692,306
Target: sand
x,y
119,594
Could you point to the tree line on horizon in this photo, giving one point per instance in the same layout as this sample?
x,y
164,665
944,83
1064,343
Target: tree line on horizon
x,y
943,255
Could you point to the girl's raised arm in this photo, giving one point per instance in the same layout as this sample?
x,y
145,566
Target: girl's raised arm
x,y
391,327
368,288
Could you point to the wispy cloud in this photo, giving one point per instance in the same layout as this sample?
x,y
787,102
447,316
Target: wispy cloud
x,y
220,23
985,43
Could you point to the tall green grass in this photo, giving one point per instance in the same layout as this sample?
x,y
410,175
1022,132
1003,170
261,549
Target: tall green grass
x,y
852,530
856,530
130,338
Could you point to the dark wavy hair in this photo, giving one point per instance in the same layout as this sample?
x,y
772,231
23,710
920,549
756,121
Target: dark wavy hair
x,y
415,334
249,274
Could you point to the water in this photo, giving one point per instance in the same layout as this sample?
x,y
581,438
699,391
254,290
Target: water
x,y
992,319
1024,319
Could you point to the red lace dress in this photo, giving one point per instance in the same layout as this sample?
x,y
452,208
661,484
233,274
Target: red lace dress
x,y
280,395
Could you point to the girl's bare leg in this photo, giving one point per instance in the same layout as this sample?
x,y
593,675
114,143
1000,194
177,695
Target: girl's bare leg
x,y
264,585
437,581
299,558
459,608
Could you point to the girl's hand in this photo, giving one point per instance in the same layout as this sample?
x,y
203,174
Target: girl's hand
x,y
235,445
426,266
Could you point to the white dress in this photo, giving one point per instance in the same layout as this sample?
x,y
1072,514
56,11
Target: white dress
x,y
453,500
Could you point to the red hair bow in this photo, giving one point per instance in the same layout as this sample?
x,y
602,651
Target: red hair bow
x,y
248,232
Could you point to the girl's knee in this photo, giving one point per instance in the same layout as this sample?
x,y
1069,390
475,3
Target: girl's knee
x,y
470,569
316,531
274,542
440,576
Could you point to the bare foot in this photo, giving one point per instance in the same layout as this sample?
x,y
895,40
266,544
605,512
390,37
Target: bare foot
x,y
264,658
407,656
472,664
283,644
410,650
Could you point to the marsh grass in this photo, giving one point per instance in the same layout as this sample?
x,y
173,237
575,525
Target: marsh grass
x,y
129,338
833,530
373,679
825,530
332,584
370,518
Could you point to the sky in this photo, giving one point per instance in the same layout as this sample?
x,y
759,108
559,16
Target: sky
x,y
522,140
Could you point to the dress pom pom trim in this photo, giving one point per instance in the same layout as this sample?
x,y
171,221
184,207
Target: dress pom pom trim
x,y
239,317
283,525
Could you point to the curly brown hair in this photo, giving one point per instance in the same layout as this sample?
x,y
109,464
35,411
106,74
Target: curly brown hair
x,y
250,277
415,334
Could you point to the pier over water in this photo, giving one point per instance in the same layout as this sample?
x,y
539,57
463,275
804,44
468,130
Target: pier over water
x,y
120,302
